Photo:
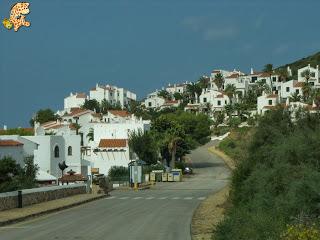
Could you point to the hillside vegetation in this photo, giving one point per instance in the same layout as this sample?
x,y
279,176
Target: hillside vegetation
x,y
275,188
313,60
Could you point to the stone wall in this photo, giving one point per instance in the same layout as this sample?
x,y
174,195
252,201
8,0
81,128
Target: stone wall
x,y
37,195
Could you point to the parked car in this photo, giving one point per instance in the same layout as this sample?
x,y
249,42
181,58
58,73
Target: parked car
x,y
187,170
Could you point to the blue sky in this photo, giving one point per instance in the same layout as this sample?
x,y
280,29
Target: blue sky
x,y
142,45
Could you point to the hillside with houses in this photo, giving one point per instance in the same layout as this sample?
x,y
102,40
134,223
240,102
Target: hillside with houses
x,y
91,133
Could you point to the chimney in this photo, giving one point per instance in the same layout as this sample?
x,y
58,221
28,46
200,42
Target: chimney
x,y
251,71
5,127
71,94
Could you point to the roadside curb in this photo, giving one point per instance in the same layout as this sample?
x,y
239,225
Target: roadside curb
x,y
228,160
211,210
20,219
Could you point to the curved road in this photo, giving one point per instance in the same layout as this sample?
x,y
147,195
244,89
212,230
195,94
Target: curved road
x,y
163,212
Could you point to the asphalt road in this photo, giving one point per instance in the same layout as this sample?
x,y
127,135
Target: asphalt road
x,y
161,213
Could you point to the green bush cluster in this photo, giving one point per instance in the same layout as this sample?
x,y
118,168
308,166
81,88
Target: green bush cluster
x,y
277,180
118,173
13,177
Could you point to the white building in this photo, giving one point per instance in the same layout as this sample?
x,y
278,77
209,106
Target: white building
x,y
216,99
13,149
291,87
112,94
74,101
154,101
240,81
176,88
314,75
48,151
267,102
170,104
109,152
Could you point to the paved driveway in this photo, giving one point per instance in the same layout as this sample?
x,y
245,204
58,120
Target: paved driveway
x,y
163,212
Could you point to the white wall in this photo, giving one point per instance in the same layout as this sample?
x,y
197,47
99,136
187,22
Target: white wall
x,y
15,152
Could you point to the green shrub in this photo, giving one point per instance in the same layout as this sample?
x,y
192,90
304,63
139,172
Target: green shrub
x,y
117,173
277,177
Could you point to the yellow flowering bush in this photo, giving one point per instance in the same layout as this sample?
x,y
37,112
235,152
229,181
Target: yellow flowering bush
x,y
301,232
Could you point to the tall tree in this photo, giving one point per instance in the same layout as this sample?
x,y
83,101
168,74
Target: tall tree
x,y
194,90
42,116
92,105
268,68
204,82
230,90
219,80
283,74
144,146
165,94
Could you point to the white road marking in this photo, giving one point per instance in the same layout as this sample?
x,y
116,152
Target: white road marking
x,y
122,198
108,198
187,198
201,198
148,198
162,198
137,198
175,198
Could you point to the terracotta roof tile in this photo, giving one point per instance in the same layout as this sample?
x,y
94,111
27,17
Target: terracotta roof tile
x,y
10,143
272,96
113,143
234,75
78,112
298,84
120,113
81,95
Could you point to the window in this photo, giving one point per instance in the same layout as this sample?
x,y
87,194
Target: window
x,y
253,79
297,91
56,151
225,101
274,89
312,83
111,94
288,89
219,103
270,102
149,104
204,99
313,74
274,79
69,151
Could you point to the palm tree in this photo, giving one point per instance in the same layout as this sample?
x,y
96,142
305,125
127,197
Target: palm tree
x,y
172,147
307,75
218,80
306,91
90,135
295,97
203,82
165,94
283,74
230,90
193,90
229,110
268,68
